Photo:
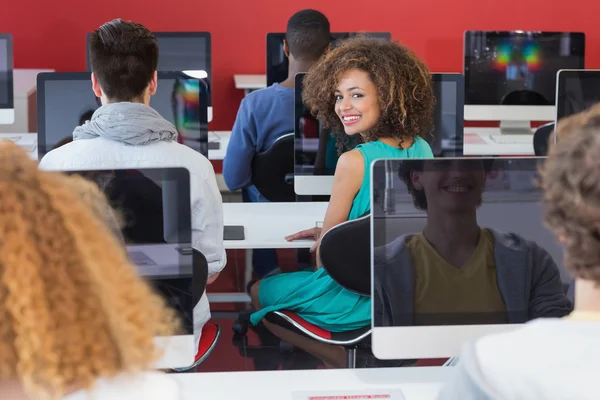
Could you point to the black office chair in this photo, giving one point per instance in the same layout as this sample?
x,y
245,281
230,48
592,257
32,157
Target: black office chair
x,y
524,98
273,170
210,332
541,139
345,253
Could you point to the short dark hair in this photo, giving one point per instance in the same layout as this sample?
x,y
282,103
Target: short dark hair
x,y
308,34
407,167
570,179
124,57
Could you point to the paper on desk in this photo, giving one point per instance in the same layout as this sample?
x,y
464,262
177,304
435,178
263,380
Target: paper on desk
x,y
382,394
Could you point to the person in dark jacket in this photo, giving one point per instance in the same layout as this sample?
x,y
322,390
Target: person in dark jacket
x,y
456,272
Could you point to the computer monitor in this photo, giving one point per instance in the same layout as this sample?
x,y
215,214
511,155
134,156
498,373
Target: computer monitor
x,y
459,250
7,107
316,152
154,208
576,91
277,62
511,76
66,100
181,51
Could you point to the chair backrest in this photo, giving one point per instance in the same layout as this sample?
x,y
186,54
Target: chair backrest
x,y
200,275
345,253
524,98
273,170
541,139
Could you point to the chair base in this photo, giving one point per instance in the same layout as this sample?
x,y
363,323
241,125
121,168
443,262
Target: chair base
x,y
351,357
208,342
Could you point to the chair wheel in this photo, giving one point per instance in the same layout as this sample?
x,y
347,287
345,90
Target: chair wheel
x,y
240,329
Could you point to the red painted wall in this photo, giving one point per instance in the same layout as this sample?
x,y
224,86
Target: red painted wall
x,y
51,34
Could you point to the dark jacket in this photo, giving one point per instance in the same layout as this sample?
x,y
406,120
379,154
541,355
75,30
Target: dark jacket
x,y
528,279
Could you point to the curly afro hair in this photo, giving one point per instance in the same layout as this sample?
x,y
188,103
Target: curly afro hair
x,y
73,307
570,179
403,85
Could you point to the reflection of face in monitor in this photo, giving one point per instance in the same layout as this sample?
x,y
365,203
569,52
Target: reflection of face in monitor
x,y
277,62
518,68
65,98
463,246
147,201
577,91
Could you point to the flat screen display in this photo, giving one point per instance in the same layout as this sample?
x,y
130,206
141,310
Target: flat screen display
x,y
518,68
154,212
462,242
66,100
6,72
577,91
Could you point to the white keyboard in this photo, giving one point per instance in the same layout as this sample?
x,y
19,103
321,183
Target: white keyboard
x,y
512,139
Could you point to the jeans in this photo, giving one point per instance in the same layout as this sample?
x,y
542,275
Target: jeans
x,y
263,260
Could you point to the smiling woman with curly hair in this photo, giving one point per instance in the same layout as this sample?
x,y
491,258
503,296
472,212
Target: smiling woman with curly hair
x,y
402,101
381,92
74,313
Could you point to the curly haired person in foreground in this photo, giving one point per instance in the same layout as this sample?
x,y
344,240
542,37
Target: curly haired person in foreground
x,y
382,92
75,315
552,358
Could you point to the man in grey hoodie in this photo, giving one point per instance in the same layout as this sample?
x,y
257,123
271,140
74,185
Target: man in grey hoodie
x,y
456,272
126,133
552,359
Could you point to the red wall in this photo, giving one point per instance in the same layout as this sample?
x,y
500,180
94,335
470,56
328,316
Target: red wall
x,y
51,34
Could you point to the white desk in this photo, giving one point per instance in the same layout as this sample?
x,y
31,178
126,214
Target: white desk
x,y
222,137
267,224
418,383
26,140
479,143
158,261
250,82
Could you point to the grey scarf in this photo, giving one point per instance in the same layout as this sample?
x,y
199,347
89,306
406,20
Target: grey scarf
x,y
134,124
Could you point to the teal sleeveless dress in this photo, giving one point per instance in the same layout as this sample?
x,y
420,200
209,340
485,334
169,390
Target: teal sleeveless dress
x,y
314,295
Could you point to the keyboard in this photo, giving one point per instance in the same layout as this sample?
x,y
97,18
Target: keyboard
x,y
512,139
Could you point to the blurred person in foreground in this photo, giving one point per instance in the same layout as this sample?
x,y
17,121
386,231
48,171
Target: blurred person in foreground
x,y
552,359
77,321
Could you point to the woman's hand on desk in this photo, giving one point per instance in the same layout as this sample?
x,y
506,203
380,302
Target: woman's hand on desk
x,y
308,234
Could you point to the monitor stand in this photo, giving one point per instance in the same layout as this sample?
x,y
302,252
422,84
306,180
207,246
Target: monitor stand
x,y
516,128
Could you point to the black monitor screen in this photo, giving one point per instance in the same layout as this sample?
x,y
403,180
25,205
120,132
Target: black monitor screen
x,y
6,71
518,68
180,51
277,62
66,100
462,241
153,209
577,91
